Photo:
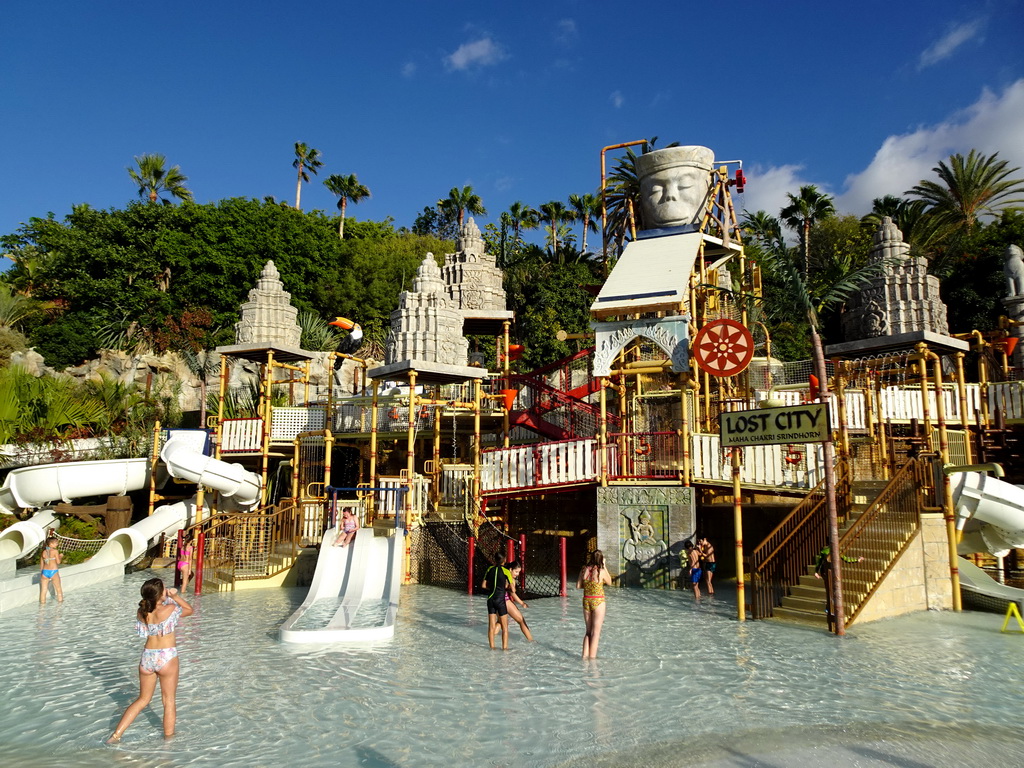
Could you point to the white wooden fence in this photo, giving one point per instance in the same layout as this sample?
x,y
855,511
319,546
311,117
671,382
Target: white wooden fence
x,y
566,462
800,465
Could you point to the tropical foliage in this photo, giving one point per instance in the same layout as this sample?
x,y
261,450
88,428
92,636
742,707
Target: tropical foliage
x,y
154,178
307,160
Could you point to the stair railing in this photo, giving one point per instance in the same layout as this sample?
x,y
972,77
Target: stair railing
x,y
778,562
242,546
883,532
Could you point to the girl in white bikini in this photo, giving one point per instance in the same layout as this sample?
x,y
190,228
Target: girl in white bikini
x,y
157,618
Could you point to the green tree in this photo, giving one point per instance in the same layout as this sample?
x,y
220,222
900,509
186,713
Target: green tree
x,y
556,214
804,209
921,230
521,217
346,188
306,159
459,201
585,208
969,188
153,179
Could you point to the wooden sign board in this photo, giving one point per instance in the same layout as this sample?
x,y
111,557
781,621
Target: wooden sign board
x,y
769,426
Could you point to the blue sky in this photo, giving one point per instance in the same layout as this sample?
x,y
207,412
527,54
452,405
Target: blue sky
x,y
515,99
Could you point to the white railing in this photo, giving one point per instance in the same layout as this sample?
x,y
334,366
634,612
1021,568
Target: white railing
x,y
900,404
800,465
566,462
241,435
1007,396
455,483
391,500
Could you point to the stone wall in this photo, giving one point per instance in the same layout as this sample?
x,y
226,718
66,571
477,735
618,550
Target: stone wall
x,y
919,580
641,530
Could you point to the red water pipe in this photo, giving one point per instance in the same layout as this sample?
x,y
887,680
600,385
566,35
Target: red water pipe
x,y
200,551
562,568
522,560
510,550
469,562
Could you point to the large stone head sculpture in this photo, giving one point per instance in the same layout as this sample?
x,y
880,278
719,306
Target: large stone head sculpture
x,y
674,184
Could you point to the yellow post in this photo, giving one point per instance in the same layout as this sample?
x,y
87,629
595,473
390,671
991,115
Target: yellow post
x,y
328,447
410,452
477,485
373,450
296,458
961,388
154,458
737,521
268,405
602,435
947,487
436,453
684,426
844,434
218,439
922,350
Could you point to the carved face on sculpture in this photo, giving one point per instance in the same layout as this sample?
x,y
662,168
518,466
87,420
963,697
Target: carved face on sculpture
x,y
674,184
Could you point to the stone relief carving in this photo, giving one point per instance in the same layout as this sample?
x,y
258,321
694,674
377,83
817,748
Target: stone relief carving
x,y
643,548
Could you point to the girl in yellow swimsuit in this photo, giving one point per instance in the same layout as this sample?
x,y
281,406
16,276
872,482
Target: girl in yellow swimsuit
x,y
593,578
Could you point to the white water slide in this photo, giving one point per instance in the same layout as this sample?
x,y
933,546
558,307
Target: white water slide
x,y
354,594
990,516
35,486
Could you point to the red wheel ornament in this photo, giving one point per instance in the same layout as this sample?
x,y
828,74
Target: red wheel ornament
x,y
723,348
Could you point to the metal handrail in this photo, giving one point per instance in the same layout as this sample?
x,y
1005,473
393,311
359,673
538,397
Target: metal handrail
x,y
778,562
241,546
882,534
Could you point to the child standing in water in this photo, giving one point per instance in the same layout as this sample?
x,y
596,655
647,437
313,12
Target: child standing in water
x,y
157,618
49,562
594,577
185,563
511,598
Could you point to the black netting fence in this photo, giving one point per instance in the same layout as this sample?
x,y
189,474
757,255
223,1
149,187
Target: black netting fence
x,y
441,553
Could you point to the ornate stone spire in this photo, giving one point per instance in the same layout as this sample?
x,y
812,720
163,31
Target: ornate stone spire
x,y
427,326
268,317
472,278
903,298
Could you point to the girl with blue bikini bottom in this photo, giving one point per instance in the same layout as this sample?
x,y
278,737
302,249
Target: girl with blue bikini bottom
x,y
49,564
160,609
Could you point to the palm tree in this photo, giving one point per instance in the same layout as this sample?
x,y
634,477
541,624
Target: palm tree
x,y
971,187
556,214
306,159
764,229
459,201
203,364
346,188
803,211
586,208
153,179
521,216
921,229
811,300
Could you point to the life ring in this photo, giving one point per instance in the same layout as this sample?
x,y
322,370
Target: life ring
x,y
793,456
393,413
643,448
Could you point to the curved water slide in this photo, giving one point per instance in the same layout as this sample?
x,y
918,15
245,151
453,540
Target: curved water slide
x,y
354,594
40,485
81,479
990,518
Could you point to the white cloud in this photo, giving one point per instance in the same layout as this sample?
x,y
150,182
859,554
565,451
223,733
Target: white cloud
x,y
994,123
616,99
409,69
479,53
767,188
945,46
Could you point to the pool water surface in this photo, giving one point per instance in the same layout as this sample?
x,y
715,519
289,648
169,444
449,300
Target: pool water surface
x,y
677,684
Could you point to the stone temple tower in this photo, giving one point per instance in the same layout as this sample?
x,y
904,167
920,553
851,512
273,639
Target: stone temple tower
x,y
904,298
427,326
471,275
268,317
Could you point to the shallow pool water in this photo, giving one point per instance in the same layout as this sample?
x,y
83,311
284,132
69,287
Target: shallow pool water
x,y
677,684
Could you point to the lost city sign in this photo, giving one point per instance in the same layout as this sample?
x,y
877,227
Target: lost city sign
x,y
768,426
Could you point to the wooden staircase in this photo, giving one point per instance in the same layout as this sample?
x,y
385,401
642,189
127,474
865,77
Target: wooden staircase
x,y
884,519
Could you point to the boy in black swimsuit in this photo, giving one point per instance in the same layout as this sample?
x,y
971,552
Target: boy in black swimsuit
x,y
497,580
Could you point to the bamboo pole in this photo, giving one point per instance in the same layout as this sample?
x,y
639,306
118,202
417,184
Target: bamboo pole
x,y
371,504
737,522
